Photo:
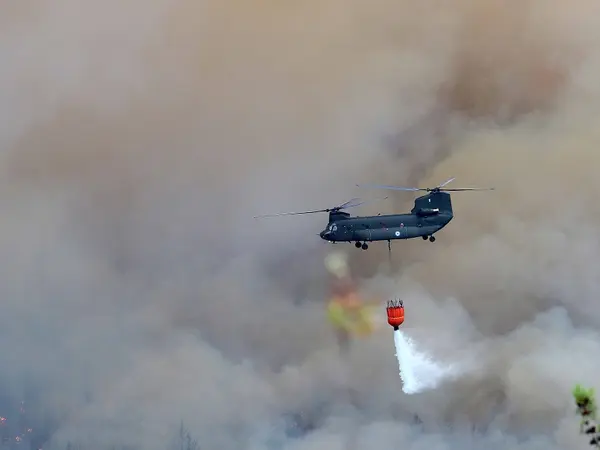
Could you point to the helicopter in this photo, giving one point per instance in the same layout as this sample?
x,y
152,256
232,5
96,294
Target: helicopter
x,y
431,212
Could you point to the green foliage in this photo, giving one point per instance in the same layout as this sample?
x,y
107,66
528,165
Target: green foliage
x,y
587,408
585,401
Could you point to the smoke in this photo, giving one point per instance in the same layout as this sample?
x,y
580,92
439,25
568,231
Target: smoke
x,y
138,140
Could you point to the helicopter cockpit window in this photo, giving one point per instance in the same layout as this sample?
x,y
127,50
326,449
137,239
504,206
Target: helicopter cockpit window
x,y
333,227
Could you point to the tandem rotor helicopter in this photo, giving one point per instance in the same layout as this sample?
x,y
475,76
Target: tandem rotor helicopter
x,y
431,213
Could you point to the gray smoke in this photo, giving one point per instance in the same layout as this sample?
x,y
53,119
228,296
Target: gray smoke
x,y
140,137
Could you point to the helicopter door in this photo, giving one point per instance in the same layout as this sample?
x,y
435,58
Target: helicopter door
x,y
369,233
403,231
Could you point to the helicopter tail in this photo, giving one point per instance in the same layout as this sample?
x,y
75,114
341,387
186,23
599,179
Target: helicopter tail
x,y
442,201
436,202
433,204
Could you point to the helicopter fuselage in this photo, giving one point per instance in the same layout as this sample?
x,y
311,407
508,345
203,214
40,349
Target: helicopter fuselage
x,y
385,228
430,214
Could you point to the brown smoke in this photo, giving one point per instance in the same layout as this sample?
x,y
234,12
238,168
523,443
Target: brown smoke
x,y
139,138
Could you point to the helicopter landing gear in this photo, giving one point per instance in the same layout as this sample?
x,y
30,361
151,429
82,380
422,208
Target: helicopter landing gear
x,y
424,238
357,245
365,246
431,239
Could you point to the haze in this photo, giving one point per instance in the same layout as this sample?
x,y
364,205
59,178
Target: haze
x,y
138,139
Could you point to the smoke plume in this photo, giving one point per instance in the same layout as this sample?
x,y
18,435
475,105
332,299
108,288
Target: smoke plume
x,y
139,138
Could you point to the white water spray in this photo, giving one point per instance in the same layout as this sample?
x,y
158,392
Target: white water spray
x,y
417,371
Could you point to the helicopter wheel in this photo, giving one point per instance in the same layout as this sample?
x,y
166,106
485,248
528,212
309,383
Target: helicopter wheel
x,y
357,245
424,238
431,239
365,246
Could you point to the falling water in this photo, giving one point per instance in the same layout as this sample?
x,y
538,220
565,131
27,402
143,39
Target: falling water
x,y
417,371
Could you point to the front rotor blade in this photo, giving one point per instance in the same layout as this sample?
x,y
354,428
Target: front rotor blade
x,y
353,205
393,188
468,189
350,203
291,213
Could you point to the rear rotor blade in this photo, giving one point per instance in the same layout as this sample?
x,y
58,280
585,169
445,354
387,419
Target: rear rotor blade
x,y
446,182
414,189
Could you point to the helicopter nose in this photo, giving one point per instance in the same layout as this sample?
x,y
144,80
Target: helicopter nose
x,y
323,234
